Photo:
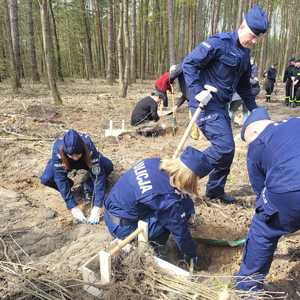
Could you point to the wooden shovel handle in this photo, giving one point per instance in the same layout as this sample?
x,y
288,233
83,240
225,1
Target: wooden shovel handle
x,y
124,242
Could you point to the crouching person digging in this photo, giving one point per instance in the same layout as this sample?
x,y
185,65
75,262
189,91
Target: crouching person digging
x,y
273,165
75,151
155,191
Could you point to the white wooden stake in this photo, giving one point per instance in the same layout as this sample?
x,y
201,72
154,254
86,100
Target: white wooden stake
x,y
105,266
143,235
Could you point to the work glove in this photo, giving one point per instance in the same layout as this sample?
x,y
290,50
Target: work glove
x,y
94,216
172,68
78,214
194,262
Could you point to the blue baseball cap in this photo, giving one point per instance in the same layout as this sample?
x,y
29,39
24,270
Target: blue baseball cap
x,y
257,20
257,114
196,161
72,142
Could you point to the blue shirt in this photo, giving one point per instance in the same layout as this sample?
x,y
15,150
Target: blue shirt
x,y
273,158
222,62
61,175
144,190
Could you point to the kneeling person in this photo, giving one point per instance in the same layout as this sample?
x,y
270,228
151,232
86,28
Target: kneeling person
x,y
152,191
75,151
146,109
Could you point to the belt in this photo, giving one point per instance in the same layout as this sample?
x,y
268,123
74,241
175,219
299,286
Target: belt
x,y
118,220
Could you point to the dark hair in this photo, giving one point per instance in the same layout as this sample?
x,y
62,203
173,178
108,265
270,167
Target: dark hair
x,y
66,160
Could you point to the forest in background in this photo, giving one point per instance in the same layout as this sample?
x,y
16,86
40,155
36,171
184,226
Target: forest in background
x,y
127,39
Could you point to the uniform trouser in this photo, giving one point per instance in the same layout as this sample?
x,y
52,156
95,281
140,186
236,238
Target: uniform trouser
x,y
276,215
269,87
288,90
48,176
217,159
297,94
164,97
156,232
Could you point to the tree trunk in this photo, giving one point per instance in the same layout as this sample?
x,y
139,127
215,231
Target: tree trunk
x,y
126,49
99,29
59,68
110,47
120,48
181,50
133,42
144,39
171,33
240,13
15,79
34,68
217,5
49,52
14,27
86,40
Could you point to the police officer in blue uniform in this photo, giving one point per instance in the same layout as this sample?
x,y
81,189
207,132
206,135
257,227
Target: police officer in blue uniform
x,y
76,151
223,61
273,161
144,193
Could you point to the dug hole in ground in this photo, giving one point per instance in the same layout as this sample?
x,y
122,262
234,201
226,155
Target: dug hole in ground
x,y
40,243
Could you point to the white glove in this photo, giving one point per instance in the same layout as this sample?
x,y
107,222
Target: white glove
x,y
78,214
203,97
94,216
172,68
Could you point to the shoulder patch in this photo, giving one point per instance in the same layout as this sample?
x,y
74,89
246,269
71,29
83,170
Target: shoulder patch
x,y
206,44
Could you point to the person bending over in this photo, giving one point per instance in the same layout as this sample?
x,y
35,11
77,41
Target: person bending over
x,y
75,151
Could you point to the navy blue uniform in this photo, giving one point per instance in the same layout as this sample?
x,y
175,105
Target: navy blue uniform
x,y
288,73
56,176
273,165
223,63
270,82
144,193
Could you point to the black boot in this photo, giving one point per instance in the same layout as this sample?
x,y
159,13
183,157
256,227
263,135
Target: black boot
x,y
228,199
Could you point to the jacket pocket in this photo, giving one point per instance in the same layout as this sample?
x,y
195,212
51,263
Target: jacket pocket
x,y
229,65
230,60
266,212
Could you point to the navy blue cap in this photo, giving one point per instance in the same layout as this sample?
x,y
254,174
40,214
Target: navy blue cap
x,y
196,161
257,20
73,143
257,114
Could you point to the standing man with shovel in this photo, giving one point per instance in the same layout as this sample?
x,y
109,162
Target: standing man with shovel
x,y
222,61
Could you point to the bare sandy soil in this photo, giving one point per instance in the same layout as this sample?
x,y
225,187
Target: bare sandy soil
x,y
37,228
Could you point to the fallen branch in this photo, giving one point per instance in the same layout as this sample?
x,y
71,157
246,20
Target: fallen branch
x,y
24,137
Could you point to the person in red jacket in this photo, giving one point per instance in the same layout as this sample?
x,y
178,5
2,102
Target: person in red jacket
x,y
163,83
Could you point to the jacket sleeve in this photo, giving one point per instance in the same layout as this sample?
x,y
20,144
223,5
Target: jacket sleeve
x,y
62,181
244,89
97,173
195,63
174,74
170,213
153,112
256,175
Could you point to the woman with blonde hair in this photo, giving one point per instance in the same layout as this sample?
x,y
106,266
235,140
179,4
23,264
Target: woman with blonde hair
x,y
158,192
76,151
